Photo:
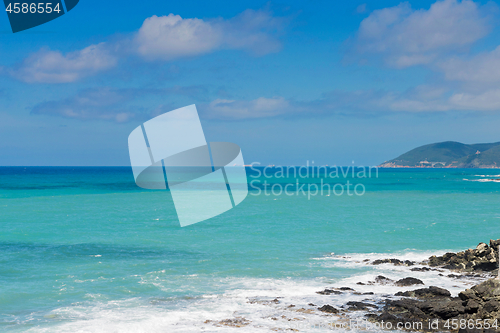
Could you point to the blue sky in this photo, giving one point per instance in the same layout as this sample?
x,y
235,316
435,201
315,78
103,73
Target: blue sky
x,y
325,81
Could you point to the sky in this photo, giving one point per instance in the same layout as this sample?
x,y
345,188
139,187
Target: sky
x,y
334,82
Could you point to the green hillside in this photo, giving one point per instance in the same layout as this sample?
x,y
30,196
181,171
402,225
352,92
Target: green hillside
x,y
449,154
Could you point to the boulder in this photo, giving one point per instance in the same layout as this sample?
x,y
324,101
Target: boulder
x,y
408,281
360,305
393,261
484,258
383,280
328,308
431,292
329,292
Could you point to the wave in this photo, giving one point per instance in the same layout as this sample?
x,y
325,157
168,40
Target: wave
x,y
493,180
257,304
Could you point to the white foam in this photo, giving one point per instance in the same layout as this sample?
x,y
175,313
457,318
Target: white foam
x,y
368,272
252,299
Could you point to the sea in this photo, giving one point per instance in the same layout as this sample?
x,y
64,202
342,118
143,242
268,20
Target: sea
x,y
84,249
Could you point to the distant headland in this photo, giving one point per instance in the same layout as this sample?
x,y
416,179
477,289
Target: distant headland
x,y
449,154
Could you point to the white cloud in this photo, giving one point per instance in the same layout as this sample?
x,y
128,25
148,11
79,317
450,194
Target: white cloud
x,y
485,101
405,37
91,104
46,66
170,37
159,38
254,31
416,100
482,68
258,108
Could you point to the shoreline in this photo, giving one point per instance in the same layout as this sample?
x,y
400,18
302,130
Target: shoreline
x,y
389,303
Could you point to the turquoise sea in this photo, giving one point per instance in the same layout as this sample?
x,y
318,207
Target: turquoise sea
x,y
86,250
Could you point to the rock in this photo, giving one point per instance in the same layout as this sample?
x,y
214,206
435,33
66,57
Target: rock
x,y
328,308
438,261
494,244
488,289
431,292
329,292
409,281
401,311
346,288
393,261
492,305
360,283
469,294
383,280
447,309
236,322
481,248
472,306
420,269
486,266
360,306
483,258
478,303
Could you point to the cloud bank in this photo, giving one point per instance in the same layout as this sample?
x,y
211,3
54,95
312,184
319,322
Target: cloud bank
x,y
160,38
171,37
405,37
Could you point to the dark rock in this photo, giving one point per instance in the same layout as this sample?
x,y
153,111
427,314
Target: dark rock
x,y
478,303
469,294
494,244
328,308
393,261
483,258
401,311
368,293
489,289
486,266
430,292
491,306
409,281
360,306
329,292
360,283
447,309
346,288
472,306
420,269
383,280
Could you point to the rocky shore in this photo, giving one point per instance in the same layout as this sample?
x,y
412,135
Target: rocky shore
x,y
476,309
453,292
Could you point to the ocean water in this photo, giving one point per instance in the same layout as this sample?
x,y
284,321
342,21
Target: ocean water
x,y
86,250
